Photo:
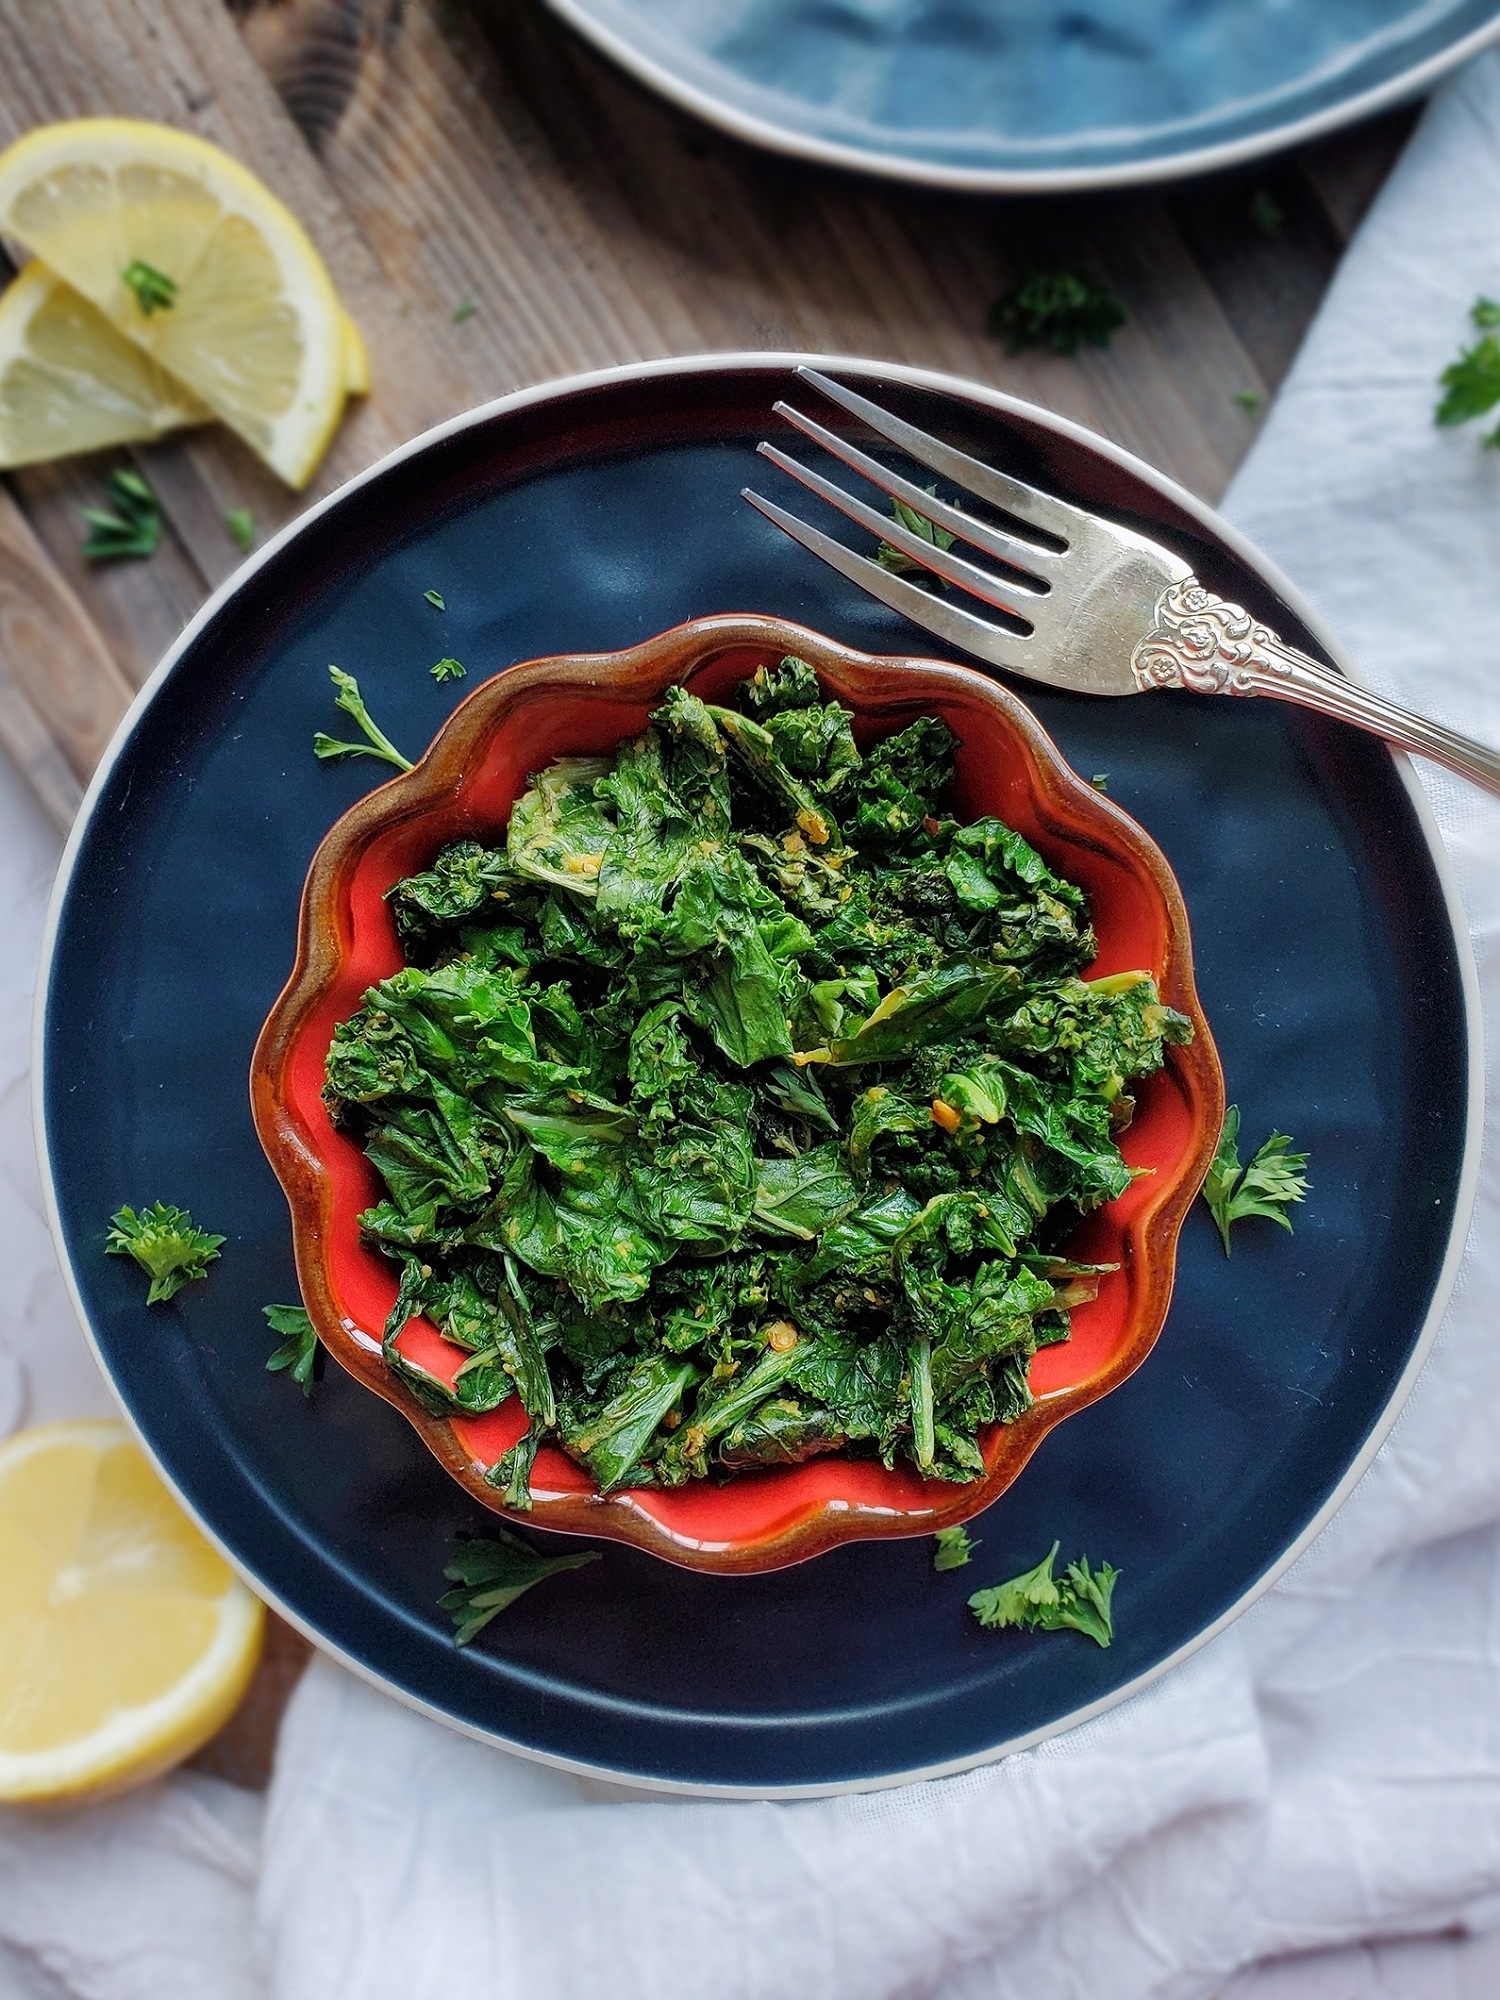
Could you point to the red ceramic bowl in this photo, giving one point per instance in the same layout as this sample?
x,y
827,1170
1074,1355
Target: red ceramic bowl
x,y
511,727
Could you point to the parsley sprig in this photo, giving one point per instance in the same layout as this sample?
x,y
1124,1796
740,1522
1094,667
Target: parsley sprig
x,y
154,290
298,1352
954,1548
167,1244
1471,384
132,527
1274,1179
1059,310
491,1574
376,744
1080,1600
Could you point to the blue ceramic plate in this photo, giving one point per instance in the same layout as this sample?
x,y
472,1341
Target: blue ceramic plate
x,y
1018,95
588,516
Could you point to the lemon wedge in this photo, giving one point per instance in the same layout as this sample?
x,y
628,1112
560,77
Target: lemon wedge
x,y
69,382
195,261
125,1640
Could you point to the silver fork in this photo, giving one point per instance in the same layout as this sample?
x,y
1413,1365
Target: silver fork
x,y
1085,604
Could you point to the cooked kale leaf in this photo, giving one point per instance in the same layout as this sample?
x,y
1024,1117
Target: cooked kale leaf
x,y
734,1108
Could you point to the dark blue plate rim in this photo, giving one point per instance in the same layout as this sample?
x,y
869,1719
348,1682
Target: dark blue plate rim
x,y
1216,529
1170,163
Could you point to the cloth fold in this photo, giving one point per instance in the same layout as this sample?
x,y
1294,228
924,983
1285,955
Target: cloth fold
x,y
1326,1771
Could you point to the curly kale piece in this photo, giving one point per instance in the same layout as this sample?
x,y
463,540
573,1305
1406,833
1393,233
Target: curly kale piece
x,y
731,1110
900,784
167,1244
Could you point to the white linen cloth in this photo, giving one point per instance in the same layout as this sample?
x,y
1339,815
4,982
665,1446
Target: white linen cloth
x,y
1327,1771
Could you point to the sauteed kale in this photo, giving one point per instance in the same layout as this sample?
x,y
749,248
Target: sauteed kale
x,y
738,1107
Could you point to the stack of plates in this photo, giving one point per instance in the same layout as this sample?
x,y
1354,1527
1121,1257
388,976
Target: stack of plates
x,y
1034,95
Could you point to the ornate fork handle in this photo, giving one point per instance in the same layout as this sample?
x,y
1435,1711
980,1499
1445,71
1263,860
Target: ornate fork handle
x,y
1204,643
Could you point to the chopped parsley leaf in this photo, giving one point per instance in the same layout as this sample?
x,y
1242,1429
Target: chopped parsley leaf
x,y
448,670
241,525
1274,1179
435,599
1060,310
1080,1600
892,558
491,1574
166,1243
1265,212
298,1352
154,290
132,528
1471,384
377,743
954,1548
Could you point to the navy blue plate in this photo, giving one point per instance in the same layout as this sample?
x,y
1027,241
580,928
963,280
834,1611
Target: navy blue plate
x,y
590,516
1034,95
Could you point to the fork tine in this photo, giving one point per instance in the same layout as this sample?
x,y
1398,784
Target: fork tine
x,y
1027,503
1003,593
1005,547
934,614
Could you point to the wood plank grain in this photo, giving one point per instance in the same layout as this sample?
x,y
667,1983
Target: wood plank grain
x,y
30,746
58,673
491,157
1346,172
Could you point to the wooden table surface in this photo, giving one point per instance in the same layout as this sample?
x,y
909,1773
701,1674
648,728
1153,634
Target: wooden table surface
x,y
447,154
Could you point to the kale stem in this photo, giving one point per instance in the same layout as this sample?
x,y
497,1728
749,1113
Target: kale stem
x,y
923,1438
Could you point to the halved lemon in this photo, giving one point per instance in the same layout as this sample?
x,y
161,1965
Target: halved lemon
x,y
125,1640
235,303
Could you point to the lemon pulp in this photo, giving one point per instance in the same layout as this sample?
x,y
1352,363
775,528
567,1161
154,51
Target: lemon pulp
x,y
125,1639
